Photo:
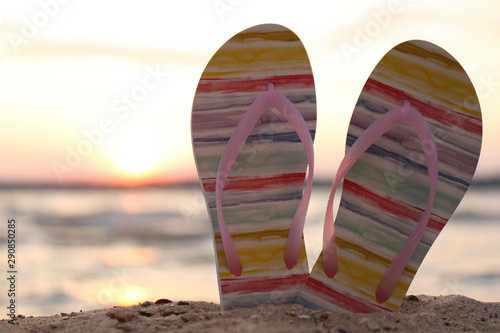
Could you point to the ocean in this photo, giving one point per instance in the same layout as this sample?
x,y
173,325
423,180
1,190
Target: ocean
x,y
85,248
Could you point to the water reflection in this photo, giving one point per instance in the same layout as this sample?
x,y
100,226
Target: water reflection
x,y
83,249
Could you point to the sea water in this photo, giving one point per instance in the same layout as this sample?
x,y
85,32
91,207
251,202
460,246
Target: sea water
x,y
86,248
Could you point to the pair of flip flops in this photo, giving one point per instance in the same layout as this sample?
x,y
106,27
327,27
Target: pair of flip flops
x,y
412,148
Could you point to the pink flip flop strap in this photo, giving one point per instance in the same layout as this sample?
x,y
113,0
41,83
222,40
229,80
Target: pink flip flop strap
x,y
401,115
268,99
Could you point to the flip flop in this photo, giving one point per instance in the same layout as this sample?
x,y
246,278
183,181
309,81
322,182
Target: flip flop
x,y
399,194
253,120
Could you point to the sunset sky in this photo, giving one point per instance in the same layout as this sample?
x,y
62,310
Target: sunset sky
x,y
101,91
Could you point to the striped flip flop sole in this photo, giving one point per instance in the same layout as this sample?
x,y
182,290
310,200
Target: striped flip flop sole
x,y
386,191
265,185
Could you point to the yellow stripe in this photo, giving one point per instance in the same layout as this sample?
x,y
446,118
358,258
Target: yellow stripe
x,y
362,278
257,35
255,235
257,51
367,255
258,259
430,74
238,62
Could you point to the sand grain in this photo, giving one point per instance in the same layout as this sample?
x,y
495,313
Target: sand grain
x,y
418,314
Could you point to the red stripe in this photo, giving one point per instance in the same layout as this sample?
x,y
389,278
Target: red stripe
x,y
256,183
345,301
438,113
232,85
264,284
392,206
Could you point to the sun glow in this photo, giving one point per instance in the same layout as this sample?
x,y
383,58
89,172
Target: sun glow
x,y
137,154
136,149
133,295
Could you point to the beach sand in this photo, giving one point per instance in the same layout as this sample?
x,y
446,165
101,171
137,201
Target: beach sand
x,y
418,314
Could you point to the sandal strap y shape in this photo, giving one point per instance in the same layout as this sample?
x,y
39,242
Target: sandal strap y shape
x,y
398,116
396,199
269,99
255,194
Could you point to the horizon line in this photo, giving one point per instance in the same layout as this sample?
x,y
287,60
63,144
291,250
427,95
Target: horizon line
x,y
484,182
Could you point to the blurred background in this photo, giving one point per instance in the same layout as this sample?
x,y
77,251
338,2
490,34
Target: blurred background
x,y
96,163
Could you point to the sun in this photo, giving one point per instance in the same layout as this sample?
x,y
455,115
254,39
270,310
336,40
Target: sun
x,y
137,155
136,149
148,148
133,295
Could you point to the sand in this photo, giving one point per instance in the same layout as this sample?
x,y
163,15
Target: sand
x,y
418,314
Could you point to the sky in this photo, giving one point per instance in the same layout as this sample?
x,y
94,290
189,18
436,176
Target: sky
x,y
101,91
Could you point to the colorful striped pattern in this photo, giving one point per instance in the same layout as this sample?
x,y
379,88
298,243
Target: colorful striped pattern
x,y
386,191
265,185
